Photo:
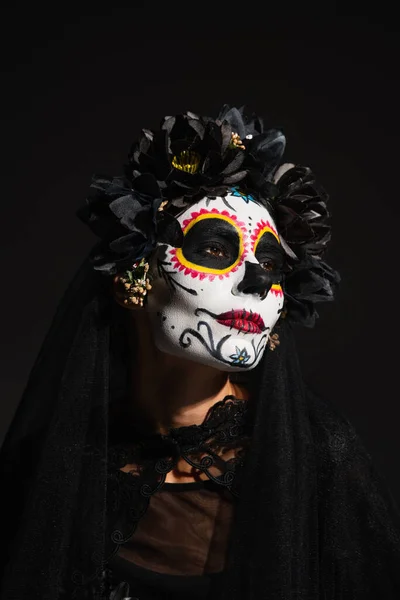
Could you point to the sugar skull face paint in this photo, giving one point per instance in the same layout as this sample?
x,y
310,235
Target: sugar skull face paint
x,y
216,299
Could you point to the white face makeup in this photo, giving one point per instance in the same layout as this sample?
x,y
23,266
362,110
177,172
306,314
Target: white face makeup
x,y
216,299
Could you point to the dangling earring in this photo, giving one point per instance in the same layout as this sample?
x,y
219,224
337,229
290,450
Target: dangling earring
x,y
273,341
131,287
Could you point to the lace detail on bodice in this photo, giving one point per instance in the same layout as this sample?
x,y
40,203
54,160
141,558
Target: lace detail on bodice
x,y
215,448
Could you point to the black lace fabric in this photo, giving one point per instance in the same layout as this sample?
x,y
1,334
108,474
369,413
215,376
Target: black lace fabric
x,y
172,528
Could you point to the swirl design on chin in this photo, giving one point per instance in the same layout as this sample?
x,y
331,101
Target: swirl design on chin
x,y
215,350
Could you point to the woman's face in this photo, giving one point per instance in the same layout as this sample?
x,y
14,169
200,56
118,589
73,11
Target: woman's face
x,y
216,299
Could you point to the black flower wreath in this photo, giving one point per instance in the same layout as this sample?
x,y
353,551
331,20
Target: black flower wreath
x,y
129,219
300,211
192,156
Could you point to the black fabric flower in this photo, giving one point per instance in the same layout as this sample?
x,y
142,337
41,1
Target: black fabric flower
x,y
301,212
264,147
310,282
301,215
128,220
188,156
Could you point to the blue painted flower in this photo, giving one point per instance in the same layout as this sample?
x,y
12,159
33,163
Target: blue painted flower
x,y
241,357
246,197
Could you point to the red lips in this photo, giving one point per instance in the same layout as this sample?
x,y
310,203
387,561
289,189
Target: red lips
x,y
243,320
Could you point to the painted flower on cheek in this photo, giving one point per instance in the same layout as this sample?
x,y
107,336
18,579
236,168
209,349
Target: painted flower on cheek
x,y
240,357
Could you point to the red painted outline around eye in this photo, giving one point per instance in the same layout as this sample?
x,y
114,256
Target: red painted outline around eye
x,y
181,264
261,227
276,290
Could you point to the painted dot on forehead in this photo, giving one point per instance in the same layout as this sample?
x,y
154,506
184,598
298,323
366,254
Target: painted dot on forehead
x,y
253,204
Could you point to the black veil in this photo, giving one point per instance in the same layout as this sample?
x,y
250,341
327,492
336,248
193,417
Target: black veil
x,y
316,520
53,459
313,521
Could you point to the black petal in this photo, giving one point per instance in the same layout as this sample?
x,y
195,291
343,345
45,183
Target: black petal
x,y
302,213
169,230
310,281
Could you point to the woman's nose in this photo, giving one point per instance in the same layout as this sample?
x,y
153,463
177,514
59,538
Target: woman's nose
x,y
255,280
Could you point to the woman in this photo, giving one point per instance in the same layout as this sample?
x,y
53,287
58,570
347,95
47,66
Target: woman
x,y
166,445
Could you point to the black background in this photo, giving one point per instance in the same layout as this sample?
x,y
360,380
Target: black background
x,y
77,88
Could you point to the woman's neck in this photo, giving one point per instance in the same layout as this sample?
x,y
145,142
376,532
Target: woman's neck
x,y
170,391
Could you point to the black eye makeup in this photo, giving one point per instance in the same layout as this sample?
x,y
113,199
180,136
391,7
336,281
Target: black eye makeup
x,y
212,243
270,254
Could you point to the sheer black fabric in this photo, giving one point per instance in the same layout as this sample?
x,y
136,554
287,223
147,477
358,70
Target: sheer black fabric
x,y
53,459
137,471
179,547
313,519
171,540
151,585
184,531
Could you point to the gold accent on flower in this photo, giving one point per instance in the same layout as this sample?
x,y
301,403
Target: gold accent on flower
x,y
236,142
162,205
187,161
